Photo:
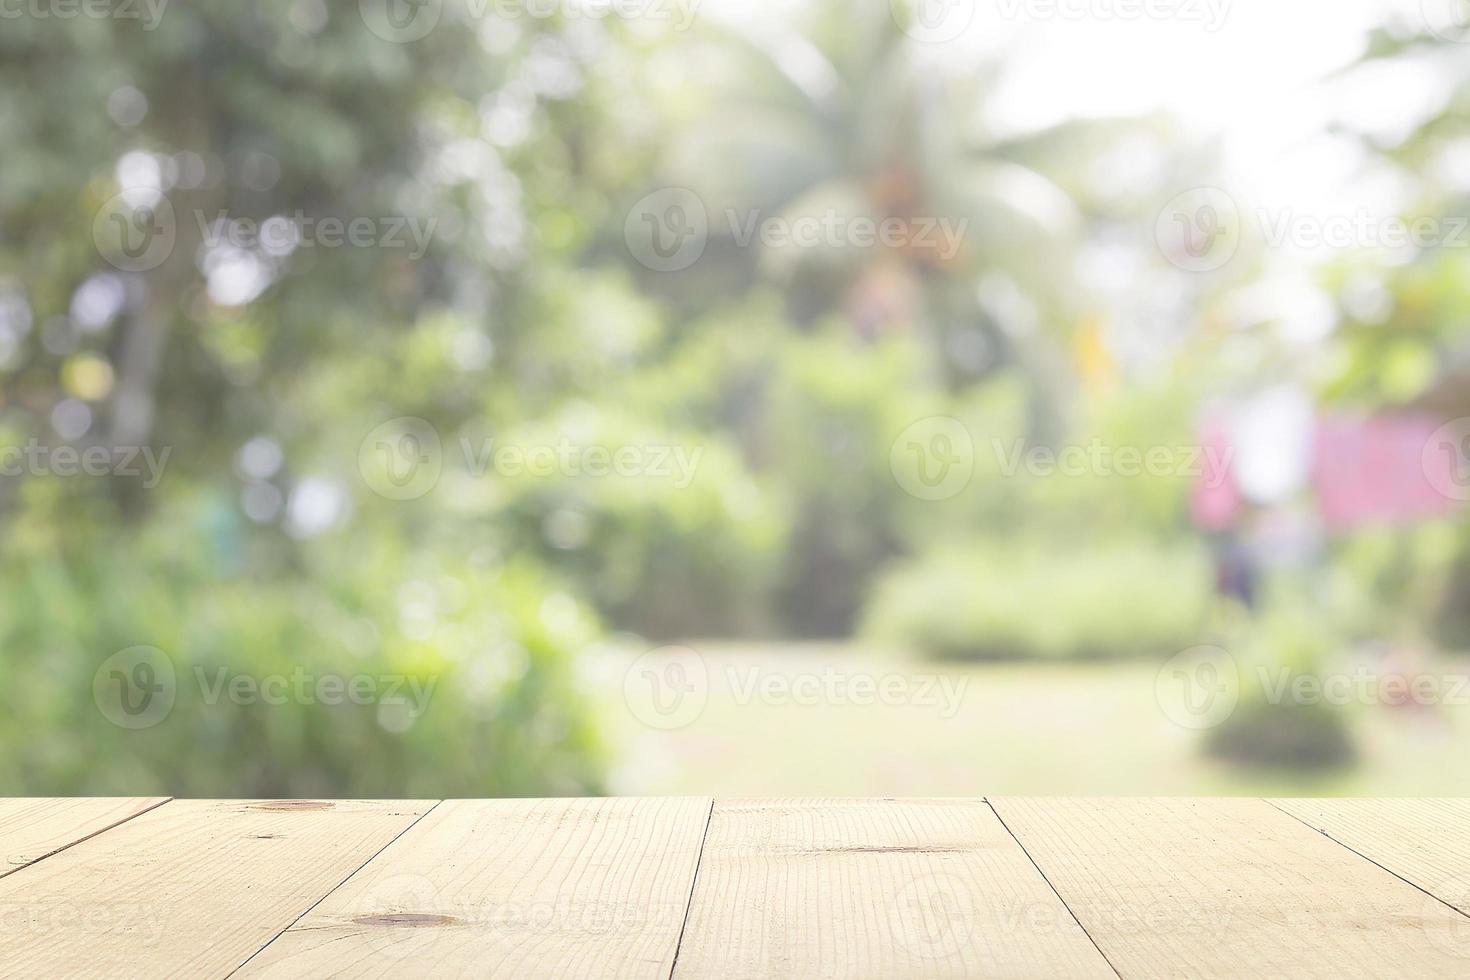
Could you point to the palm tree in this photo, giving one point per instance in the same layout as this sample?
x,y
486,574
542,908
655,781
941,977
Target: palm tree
x,y
852,117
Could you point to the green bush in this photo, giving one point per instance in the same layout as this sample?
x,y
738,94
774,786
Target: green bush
x,y
813,418
997,600
833,407
467,683
687,548
1283,734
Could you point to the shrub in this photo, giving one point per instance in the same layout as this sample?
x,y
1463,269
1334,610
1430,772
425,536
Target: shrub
x,y
470,667
686,549
994,600
1282,734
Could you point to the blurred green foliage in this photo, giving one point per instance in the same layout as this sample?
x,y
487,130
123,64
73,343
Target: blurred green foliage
x,y
783,377
1271,728
1007,599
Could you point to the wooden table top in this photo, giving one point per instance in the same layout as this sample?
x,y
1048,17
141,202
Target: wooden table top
x,y
736,888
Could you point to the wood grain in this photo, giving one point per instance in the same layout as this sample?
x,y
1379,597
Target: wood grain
x,y
192,888
1230,888
1426,842
33,829
874,888
510,888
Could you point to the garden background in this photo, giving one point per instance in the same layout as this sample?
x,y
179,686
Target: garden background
x,y
449,399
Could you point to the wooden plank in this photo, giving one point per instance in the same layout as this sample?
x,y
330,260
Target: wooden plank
x,y
1426,842
510,888
874,888
193,887
33,829
1229,888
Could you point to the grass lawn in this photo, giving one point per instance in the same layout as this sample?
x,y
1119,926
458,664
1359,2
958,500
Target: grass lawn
x,y
788,720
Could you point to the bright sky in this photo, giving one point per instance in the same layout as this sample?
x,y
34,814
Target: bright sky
x,y
1240,70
